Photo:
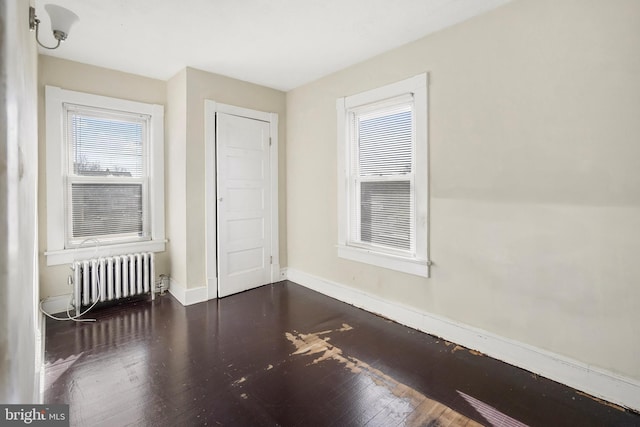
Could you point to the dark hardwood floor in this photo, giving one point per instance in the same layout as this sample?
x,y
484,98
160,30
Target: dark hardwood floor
x,y
284,355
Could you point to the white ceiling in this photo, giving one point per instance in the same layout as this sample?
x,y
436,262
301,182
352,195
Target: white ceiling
x,y
276,43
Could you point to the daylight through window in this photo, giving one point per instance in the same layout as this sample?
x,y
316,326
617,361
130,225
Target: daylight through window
x,y
382,171
107,175
383,175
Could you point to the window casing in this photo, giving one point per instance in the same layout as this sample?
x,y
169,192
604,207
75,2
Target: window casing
x,y
105,186
383,184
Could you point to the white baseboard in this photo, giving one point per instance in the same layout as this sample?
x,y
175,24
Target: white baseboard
x,y
188,296
283,274
594,381
57,304
212,288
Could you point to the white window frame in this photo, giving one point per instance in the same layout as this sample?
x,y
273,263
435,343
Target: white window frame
x,y
416,261
56,175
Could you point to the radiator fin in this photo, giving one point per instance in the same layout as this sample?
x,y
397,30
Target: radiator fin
x,y
112,278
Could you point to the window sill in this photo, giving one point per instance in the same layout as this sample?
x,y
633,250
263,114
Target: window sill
x,y
67,256
405,265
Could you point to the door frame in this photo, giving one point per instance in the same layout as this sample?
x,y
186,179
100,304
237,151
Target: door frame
x,y
211,108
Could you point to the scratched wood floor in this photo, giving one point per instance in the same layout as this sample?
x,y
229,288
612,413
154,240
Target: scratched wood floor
x,y
282,355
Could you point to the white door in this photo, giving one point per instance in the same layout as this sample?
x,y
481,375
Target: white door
x,y
243,203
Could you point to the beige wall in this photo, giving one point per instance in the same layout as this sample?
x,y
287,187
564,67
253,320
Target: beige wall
x,y
99,81
175,175
535,184
183,97
20,345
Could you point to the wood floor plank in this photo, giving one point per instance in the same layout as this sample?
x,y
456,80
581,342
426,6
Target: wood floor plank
x,y
282,355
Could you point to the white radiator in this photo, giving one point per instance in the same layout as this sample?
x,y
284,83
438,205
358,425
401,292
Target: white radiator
x,y
112,278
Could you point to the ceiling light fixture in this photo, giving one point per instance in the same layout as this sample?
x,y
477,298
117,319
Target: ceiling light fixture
x,y
61,21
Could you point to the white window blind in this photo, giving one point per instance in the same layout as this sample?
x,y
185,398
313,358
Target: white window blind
x,y
107,175
383,186
382,137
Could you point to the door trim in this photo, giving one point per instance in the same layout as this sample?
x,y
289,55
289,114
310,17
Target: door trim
x,y
211,108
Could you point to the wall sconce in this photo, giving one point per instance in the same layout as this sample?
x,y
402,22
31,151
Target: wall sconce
x,y
61,21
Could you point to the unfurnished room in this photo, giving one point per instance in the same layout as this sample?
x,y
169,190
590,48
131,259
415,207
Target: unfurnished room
x,y
337,213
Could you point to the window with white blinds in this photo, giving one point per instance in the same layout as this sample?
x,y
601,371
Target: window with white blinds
x,y
382,168
107,175
382,171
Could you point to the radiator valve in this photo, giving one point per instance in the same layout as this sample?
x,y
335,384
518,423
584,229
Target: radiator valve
x,y
163,285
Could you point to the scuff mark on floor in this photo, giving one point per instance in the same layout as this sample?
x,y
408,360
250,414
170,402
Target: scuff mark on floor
x,y
424,409
244,396
240,381
345,327
459,347
270,367
604,402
